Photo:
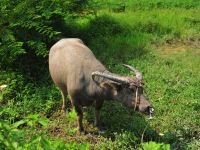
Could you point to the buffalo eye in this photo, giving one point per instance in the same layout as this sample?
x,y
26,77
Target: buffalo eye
x,y
118,87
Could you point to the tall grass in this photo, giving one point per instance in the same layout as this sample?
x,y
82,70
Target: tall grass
x,y
165,23
149,4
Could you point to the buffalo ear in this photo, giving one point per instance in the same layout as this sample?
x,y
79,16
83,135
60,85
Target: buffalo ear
x,y
114,87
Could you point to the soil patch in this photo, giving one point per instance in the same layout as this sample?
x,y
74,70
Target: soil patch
x,y
174,47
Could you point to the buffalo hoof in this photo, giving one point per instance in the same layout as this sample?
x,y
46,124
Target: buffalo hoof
x,y
83,132
102,131
63,111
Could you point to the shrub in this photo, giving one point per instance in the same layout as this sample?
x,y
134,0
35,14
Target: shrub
x,y
13,138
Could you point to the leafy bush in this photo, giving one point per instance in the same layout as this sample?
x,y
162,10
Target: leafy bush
x,y
29,28
155,146
23,97
13,138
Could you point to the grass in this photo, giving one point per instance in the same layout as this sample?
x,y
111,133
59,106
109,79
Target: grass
x,y
149,4
161,38
165,23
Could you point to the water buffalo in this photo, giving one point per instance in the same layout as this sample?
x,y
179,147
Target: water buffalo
x,y
77,73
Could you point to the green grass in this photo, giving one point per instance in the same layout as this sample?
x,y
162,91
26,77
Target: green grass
x,y
161,38
149,4
165,23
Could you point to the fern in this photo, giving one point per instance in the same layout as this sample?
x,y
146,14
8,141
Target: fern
x,y
29,27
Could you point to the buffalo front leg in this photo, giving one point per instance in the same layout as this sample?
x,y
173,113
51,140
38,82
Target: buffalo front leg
x,y
79,112
98,106
64,99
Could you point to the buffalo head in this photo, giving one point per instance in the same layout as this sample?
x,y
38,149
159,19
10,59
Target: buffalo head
x,y
128,90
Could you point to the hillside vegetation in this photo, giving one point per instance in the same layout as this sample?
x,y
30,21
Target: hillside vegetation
x,y
159,37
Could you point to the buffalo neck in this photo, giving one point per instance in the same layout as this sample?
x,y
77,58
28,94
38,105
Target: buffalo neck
x,y
104,93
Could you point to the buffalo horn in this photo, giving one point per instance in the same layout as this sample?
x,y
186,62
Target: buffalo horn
x,y
137,72
110,77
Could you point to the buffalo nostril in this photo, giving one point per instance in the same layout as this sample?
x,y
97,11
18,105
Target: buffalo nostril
x,y
151,112
147,109
151,109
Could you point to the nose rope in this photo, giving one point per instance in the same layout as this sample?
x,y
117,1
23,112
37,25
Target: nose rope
x,y
136,98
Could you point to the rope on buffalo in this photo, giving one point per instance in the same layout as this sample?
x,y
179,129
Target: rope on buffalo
x,y
136,98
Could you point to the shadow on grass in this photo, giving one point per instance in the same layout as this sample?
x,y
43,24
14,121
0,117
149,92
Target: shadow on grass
x,y
128,127
118,119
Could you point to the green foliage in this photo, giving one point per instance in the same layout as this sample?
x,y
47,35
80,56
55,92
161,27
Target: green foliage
x,y
13,138
29,27
20,99
31,120
155,146
72,116
9,136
